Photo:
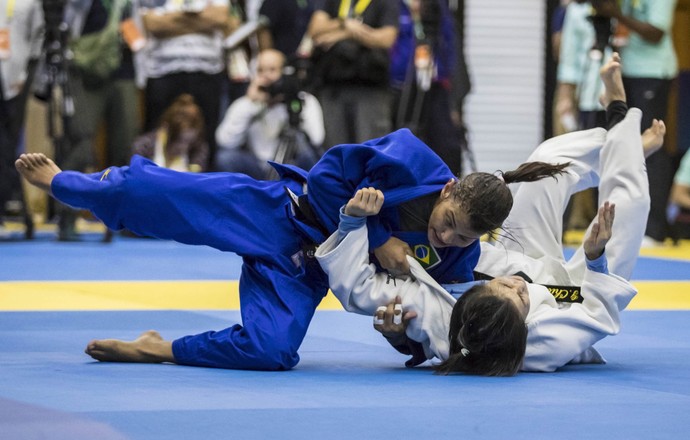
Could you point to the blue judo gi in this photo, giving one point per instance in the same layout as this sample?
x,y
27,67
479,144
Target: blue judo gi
x,y
279,288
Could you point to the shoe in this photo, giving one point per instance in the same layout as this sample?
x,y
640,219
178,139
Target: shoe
x,y
649,242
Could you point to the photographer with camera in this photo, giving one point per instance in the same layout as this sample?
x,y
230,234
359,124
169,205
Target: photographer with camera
x,y
275,120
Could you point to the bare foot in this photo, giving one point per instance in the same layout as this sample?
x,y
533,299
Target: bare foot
x,y
149,347
653,137
610,74
37,169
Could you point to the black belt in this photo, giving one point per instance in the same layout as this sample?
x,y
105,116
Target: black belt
x,y
305,213
562,293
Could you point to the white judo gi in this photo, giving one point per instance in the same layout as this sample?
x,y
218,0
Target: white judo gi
x,y
558,333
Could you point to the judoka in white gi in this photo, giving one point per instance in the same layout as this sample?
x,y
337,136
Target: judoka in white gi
x,y
557,333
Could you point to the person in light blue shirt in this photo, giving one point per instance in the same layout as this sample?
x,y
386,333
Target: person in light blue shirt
x,y
650,66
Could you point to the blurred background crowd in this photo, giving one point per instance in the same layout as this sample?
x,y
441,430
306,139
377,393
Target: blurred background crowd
x,y
227,85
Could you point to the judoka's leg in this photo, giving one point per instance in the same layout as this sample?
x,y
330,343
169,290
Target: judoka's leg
x,y
276,311
535,224
149,348
226,211
623,181
38,170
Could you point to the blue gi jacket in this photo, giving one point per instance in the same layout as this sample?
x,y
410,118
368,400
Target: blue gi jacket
x,y
403,168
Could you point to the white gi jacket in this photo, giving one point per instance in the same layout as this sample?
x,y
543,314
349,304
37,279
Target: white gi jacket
x,y
557,333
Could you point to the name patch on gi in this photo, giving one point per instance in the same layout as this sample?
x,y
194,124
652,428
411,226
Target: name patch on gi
x,y
566,294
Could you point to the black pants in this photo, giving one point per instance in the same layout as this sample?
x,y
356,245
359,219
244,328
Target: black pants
x,y
432,122
651,96
9,137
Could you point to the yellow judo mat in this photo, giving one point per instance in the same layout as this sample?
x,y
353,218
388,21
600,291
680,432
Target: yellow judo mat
x,y
223,295
655,292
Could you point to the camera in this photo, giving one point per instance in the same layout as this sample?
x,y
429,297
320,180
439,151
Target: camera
x,y
288,85
55,41
288,89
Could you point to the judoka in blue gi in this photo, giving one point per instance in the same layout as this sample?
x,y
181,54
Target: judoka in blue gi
x,y
274,225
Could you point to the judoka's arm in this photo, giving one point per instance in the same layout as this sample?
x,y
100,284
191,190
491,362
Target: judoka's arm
x,y
335,178
360,289
392,323
559,335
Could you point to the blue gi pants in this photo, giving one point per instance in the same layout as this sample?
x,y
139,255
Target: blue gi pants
x,y
279,289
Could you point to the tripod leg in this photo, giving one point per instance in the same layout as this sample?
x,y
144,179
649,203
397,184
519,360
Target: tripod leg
x,y
26,214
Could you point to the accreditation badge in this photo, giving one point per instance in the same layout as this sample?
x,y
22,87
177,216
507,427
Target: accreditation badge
x,y
4,43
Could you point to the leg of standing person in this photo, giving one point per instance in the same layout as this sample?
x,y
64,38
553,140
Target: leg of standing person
x,y
205,88
334,102
123,111
78,151
159,94
651,96
8,145
279,290
372,116
440,132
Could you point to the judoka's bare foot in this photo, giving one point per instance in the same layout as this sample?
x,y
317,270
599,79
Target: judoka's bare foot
x,y
610,74
653,137
149,347
37,169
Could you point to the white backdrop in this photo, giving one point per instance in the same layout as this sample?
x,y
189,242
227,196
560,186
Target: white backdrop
x,y
505,54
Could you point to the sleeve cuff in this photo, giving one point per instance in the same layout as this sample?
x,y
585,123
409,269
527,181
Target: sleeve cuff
x,y
599,264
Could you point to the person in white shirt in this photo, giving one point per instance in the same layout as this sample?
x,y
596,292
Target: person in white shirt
x,y
254,129
508,324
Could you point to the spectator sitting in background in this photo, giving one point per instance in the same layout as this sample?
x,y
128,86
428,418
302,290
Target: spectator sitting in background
x,y
179,141
254,125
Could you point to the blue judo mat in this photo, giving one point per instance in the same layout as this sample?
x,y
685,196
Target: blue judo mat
x,y
349,384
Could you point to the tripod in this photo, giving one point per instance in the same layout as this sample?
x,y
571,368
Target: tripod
x,y
294,146
55,90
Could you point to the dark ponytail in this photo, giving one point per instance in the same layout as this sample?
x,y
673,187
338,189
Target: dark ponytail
x,y
486,198
487,335
533,171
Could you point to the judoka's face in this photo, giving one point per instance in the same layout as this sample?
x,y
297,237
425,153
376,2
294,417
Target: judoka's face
x,y
449,225
513,289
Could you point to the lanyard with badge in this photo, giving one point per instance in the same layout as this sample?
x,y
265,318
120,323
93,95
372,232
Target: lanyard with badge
x,y
348,10
5,31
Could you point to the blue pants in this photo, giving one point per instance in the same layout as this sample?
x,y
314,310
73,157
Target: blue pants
x,y
279,289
